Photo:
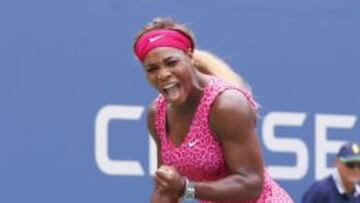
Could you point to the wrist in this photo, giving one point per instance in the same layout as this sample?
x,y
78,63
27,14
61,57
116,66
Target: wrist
x,y
183,186
189,190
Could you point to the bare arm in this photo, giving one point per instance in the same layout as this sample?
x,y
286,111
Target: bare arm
x,y
157,197
234,122
151,127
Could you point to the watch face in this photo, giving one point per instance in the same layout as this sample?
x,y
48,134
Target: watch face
x,y
189,196
190,193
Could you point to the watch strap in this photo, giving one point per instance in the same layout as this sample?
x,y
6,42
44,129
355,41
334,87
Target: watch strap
x,y
189,192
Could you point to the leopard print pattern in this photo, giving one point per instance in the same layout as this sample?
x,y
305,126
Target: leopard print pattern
x,y
200,156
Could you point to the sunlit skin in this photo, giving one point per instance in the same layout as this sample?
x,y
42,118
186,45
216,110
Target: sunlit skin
x,y
348,176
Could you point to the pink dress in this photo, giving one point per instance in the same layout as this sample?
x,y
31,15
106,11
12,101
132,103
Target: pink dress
x,y
200,156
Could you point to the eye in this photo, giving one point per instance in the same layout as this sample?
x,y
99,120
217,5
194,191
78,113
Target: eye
x,y
150,68
171,63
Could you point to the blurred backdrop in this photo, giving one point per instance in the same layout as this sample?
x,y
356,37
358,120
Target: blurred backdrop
x,y
73,98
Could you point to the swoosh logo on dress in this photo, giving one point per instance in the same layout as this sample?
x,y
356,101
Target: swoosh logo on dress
x,y
191,144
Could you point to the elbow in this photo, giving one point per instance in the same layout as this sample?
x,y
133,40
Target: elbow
x,y
256,191
255,188
252,188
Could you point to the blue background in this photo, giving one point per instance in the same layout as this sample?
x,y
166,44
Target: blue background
x,y
62,61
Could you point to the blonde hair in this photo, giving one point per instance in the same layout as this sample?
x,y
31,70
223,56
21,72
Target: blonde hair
x,y
209,63
204,61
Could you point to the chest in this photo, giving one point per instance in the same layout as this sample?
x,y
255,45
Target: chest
x,y
199,158
177,129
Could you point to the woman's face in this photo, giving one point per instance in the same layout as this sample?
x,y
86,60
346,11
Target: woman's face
x,y
169,70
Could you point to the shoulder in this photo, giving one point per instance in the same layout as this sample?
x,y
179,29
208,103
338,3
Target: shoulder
x,y
232,105
230,99
151,110
321,185
319,190
151,118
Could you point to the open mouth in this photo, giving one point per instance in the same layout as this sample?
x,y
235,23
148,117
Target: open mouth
x,y
171,91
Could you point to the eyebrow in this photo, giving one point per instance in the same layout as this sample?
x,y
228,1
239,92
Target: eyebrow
x,y
169,58
166,59
149,65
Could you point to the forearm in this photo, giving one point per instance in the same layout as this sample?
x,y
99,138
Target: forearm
x,y
233,187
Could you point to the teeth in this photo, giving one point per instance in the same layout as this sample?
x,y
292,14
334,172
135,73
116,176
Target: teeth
x,y
169,86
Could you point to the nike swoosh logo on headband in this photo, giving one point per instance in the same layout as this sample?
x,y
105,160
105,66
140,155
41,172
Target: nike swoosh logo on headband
x,y
153,39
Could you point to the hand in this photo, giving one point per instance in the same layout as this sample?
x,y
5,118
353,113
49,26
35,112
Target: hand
x,y
169,182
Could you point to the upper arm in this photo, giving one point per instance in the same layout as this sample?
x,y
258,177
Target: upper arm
x,y
233,120
151,117
316,193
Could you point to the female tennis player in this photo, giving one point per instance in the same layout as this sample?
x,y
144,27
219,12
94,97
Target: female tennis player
x,y
203,122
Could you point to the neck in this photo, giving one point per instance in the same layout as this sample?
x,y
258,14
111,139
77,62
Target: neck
x,y
198,89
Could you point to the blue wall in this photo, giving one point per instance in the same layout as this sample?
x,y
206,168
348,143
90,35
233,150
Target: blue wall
x,y
62,63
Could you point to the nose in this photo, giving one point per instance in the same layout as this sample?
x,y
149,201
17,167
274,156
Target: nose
x,y
163,74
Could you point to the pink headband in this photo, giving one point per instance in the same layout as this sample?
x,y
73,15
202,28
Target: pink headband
x,y
162,38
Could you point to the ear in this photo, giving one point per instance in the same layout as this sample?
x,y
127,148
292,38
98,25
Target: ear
x,y
189,53
338,163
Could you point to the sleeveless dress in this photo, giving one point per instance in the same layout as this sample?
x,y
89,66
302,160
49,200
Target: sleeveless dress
x,y
200,156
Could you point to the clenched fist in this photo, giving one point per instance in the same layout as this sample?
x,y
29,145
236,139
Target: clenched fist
x,y
169,182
